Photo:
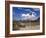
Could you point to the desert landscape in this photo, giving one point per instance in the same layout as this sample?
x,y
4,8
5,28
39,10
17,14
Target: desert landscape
x,y
26,25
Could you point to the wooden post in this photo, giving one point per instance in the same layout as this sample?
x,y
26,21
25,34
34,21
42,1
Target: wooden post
x,y
32,25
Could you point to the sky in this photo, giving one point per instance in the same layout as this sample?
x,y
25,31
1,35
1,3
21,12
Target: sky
x,y
22,13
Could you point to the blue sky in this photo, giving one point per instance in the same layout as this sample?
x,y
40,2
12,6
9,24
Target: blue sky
x,y
19,11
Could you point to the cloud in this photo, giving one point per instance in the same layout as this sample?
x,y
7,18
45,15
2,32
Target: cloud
x,y
25,9
29,17
20,8
28,10
36,9
25,15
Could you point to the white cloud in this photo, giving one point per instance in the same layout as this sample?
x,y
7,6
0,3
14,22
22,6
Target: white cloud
x,y
29,17
25,15
19,8
25,9
28,10
36,9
